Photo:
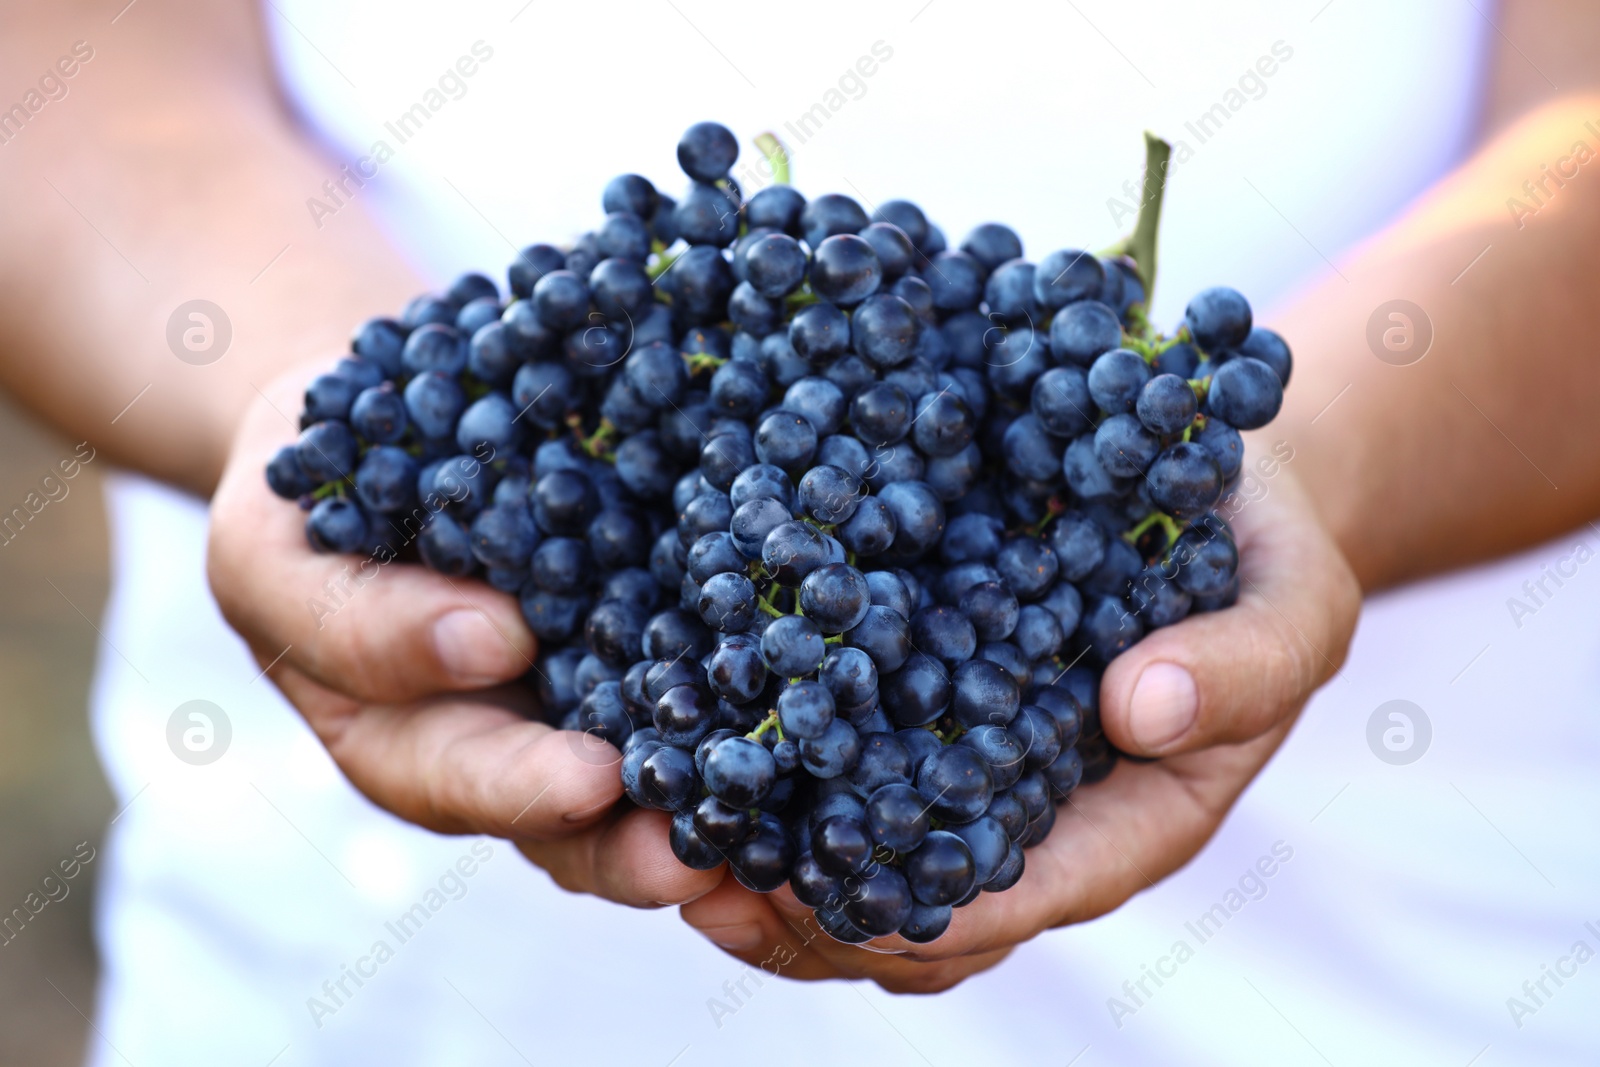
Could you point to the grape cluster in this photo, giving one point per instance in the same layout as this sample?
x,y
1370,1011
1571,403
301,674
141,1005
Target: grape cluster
x,y
828,527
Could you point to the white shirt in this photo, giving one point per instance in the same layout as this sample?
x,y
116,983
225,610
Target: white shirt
x,y
1405,905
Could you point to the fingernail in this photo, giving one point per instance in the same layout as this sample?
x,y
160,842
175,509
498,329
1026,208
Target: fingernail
x,y
470,648
590,813
1164,706
740,938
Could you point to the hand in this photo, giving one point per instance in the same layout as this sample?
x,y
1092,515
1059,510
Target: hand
x,y
392,668
1212,697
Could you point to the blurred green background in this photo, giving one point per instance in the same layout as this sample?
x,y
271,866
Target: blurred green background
x,y
52,794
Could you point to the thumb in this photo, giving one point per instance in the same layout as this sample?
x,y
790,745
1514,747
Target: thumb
x,y
1228,676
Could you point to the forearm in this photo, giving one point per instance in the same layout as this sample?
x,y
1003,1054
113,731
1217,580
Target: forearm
x,y
168,173
1481,446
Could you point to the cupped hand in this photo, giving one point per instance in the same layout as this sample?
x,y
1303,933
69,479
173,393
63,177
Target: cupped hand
x,y
401,673
1211,698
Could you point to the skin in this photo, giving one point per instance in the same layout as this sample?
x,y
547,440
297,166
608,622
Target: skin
x,y
173,169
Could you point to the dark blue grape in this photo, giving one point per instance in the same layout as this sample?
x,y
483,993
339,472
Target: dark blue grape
x,y
814,886
1061,401
673,633
926,924
992,608
1079,545
1066,277
776,207
956,784
1245,393
918,514
503,535
786,439
793,550
1038,633
992,244
1009,292
285,475
941,870
1185,481
1083,332
832,754
381,341
792,646
429,310
820,401
1109,627
707,151
884,330
1269,347
435,347
841,845
895,252
740,772
667,780
329,396
983,693
1225,446
1218,318
1124,447
830,215
908,217
326,451
489,427
916,693
447,548
775,265
819,333
844,269
434,401
835,597
956,280
881,904
870,530
1116,379
337,525
943,425
1166,405
805,710
1180,359
1030,451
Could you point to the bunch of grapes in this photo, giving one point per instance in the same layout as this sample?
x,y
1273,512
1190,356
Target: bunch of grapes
x,y
829,528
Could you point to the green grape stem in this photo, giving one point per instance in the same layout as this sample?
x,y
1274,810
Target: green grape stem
x,y
1168,524
775,154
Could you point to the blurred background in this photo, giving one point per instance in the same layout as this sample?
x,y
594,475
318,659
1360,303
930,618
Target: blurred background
x,y
52,794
